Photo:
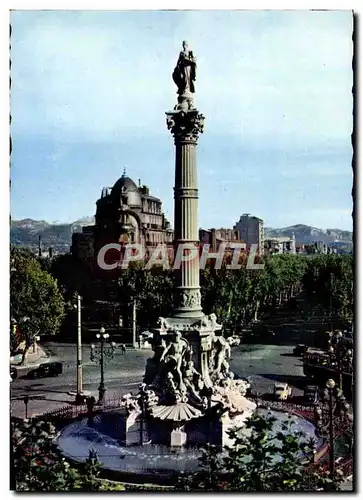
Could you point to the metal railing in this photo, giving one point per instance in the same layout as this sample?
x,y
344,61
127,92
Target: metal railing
x,y
74,411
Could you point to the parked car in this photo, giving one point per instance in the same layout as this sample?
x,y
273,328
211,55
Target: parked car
x,y
311,393
47,370
299,350
282,391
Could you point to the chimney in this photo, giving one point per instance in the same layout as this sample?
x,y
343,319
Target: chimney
x,y
50,252
214,240
39,246
139,182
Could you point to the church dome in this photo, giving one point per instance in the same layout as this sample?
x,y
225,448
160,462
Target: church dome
x,y
126,192
124,184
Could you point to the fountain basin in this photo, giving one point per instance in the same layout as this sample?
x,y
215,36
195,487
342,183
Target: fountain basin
x,y
155,463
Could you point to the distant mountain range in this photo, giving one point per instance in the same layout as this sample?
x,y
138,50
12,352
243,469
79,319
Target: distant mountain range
x,y
26,233
308,234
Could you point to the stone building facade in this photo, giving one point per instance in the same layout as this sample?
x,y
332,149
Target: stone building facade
x,y
280,244
214,237
251,231
125,213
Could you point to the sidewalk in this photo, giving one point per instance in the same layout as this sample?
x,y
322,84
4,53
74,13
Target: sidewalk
x,y
32,359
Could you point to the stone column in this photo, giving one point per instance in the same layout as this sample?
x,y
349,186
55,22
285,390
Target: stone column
x,y
185,125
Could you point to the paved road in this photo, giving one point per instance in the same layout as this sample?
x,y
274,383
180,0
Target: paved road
x,y
262,364
122,374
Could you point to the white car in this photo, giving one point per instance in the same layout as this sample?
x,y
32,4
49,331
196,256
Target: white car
x,y
282,391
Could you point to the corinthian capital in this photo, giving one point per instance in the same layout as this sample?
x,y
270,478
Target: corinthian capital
x,y
185,125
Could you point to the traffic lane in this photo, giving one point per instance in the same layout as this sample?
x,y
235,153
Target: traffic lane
x,y
67,381
248,357
60,392
125,372
251,360
43,397
274,359
131,361
53,392
267,364
264,364
68,352
41,401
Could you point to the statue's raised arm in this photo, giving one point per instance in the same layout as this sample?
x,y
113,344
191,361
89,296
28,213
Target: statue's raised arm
x,y
185,72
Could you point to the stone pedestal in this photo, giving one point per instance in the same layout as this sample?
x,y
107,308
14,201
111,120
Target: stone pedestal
x,y
132,432
178,438
199,338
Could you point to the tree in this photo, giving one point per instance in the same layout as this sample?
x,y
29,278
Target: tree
x,y
238,296
152,289
261,460
36,303
37,467
73,276
328,282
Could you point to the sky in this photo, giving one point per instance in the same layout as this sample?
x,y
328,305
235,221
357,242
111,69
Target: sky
x,y
90,91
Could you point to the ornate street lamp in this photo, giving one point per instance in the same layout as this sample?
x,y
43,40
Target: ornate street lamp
x,y
330,414
99,354
78,306
26,402
336,349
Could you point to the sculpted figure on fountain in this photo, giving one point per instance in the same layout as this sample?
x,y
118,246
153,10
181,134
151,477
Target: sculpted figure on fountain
x,y
191,381
172,357
132,407
149,396
163,324
222,353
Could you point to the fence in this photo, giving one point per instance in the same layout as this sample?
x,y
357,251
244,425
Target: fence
x,y
70,412
63,415
299,410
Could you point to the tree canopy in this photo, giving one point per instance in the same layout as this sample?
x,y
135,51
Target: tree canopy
x,y
262,460
37,467
236,296
36,303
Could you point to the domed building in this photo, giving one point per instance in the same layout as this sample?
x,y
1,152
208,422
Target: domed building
x,y
125,213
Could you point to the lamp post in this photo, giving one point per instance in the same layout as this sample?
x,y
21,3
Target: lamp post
x,y
336,350
26,401
209,392
79,394
99,354
134,323
331,413
349,360
330,385
331,301
142,418
348,365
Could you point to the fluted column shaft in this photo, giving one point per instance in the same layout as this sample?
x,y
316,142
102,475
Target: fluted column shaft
x,y
186,224
185,127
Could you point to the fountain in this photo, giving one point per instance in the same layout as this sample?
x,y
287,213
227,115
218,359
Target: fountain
x,y
188,387
189,396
